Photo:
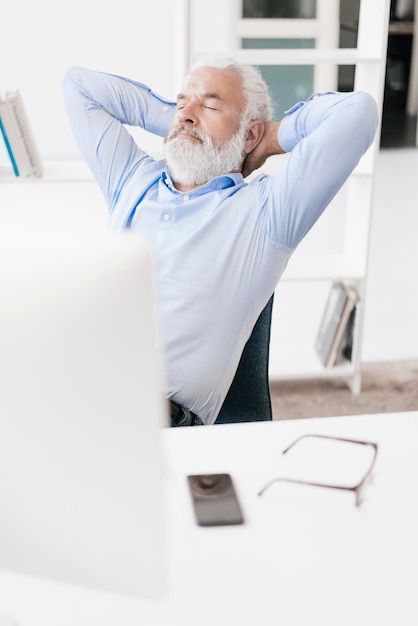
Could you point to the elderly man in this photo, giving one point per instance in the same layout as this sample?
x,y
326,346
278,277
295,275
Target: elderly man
x,y
221,243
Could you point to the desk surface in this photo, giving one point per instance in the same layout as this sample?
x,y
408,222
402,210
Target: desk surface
x,y
307,555
304,555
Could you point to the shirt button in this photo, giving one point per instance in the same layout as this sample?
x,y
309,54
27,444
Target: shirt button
x,y
165,108
186,198
166,217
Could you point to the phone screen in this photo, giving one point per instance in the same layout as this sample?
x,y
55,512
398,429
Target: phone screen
x,y
214,500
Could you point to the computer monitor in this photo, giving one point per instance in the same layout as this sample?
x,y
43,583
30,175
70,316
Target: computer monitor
x,y
81,408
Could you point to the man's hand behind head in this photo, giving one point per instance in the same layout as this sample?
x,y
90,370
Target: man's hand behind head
x,y
266,147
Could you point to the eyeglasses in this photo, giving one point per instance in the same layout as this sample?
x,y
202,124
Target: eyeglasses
x,y
357,489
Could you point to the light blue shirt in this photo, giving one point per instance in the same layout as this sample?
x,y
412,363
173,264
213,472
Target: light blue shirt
x,y
220,249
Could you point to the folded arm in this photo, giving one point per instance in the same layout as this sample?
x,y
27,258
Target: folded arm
x,y
326,136
99,107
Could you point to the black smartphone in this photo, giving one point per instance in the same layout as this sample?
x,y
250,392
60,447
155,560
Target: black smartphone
x,y
215,501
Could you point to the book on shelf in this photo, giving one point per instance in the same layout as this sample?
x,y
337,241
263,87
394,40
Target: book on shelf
x,y
18,137
335,335
346,346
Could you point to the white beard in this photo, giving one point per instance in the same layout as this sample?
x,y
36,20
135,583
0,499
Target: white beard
x,y
195,162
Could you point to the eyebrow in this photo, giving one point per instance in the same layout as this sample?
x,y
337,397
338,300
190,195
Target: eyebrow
x,y
206,96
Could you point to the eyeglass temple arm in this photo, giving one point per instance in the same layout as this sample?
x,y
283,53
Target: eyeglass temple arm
x,y
359,441
307,483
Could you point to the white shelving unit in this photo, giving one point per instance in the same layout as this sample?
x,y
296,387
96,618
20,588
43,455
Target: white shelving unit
x,y
308,266
65,197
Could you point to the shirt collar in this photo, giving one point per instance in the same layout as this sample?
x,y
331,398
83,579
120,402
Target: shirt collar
x,y
220,182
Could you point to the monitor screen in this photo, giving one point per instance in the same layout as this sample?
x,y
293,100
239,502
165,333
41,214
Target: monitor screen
x,y
81,407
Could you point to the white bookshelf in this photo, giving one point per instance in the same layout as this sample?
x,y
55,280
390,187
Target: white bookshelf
x,y
292,353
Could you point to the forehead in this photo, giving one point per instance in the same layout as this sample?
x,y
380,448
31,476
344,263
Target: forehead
x,y
214,81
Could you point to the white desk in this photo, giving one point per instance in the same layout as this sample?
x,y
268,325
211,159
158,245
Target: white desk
x,y
307,555
304,556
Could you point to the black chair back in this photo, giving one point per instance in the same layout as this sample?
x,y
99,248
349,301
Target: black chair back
x,y
248,398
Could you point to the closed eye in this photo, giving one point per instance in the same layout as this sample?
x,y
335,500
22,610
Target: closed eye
x,y
209,101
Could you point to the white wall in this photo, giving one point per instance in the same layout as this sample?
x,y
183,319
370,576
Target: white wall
x,y
39,39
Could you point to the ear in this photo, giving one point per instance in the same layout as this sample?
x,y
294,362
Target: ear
x,y
255,131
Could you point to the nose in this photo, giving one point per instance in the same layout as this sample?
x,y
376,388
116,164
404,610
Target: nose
x,y
188,113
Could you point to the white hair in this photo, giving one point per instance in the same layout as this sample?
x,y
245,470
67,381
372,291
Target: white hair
x,y
255,90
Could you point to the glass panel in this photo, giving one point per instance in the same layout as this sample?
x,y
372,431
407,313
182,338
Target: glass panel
x,y
288,83
279,8
349,16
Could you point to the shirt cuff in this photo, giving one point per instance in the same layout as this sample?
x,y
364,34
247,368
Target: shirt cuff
x,y
295,125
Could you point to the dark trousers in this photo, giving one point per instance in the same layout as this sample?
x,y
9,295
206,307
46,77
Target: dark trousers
x,y
180,416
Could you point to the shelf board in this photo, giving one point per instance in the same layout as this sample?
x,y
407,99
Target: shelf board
x,y
310,367
339,371
54,172
297,56
327,267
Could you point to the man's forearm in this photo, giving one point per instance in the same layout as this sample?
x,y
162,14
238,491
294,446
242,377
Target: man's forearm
x,y
336,111
126,100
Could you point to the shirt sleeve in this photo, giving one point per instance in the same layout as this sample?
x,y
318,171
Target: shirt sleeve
x,y
326,136
99,107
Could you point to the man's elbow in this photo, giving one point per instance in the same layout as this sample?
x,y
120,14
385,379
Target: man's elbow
x,y
72,77
368,113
